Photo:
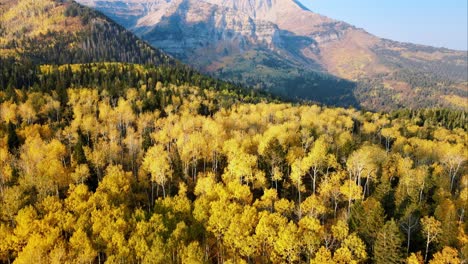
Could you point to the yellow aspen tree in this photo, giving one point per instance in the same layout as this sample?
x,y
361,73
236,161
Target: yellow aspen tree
x,y
431,229
84,104
13,199
81,247
241,165
145,240
448,255
313,206
389,133
115,187
192,254
316,159
6,170
285,207
97,156
266,231
6,243
157,163
43,166
267,201
453,157
310,231
9,112
415,258
124,113
133,143
351,191
25,226
462,201
330,189
297,172
286,247
27,113
240,234
364,163
216,134
322,256
81,174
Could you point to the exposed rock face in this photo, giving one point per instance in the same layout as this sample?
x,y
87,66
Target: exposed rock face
x,y
274,44
217,29
187,26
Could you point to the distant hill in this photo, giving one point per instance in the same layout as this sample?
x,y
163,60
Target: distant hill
x,y
281,46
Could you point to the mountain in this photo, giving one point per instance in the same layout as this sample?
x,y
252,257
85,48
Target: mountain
x,y
40,37
281,46
58,32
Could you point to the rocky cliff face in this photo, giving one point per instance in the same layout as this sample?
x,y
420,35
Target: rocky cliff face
x,y
213,29
278,44
185,27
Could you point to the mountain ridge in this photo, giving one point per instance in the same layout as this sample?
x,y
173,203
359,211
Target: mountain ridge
x,y
271,44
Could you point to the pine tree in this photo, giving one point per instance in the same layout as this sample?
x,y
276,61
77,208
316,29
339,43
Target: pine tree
x,y
13,140
387,247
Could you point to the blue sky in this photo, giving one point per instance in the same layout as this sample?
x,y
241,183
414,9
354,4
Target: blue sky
x,y
440,23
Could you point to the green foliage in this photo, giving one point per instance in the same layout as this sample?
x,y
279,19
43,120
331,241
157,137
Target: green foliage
x,y
13,140
387,247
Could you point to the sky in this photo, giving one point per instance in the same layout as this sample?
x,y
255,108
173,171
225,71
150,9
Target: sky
x,y
439,23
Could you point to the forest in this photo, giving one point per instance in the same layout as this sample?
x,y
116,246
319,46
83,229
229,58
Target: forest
x,y
123,163
113,152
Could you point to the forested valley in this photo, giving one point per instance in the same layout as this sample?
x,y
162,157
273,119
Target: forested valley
x,y
120,163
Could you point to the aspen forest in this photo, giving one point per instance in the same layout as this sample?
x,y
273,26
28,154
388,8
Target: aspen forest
x,y
119,163
112,151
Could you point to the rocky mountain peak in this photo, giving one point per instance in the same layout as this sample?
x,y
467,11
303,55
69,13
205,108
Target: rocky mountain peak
x,y
289,15
281,46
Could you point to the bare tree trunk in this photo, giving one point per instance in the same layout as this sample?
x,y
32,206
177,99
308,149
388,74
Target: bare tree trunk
x,y
314,180
408,241
366,187
335,208
349,198
152,194
452,181
299,199
427,248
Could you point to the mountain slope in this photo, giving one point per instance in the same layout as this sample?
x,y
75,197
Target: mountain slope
x,y
58,32
271,44
37,33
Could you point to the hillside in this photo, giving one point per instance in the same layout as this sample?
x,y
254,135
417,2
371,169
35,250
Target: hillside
x,y
58,32
118,163
281,46
38,32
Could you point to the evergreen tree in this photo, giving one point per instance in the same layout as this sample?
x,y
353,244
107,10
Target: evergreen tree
x,y
78,153
387,247
13,139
